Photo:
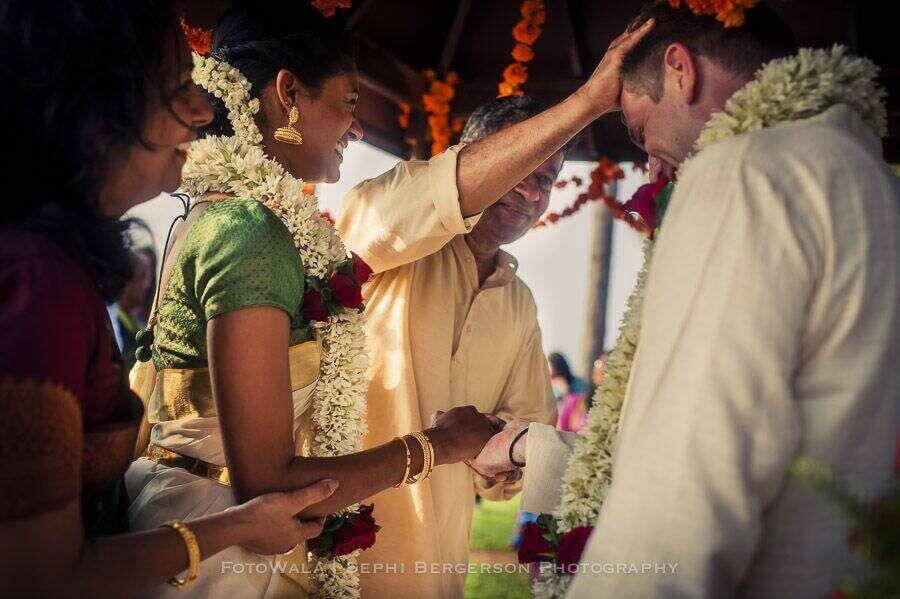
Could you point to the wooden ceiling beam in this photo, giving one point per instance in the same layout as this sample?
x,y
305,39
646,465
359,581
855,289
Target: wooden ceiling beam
x,y
454,35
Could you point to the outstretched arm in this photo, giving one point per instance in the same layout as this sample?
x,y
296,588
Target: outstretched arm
x,y
248,357
415,208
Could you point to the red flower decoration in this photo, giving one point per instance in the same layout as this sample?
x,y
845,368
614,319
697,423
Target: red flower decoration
x,y
313,306
358,533
345,291
534,547
571,546
643,202
362,272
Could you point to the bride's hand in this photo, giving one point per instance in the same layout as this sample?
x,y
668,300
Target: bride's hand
x,y
460,433
271,518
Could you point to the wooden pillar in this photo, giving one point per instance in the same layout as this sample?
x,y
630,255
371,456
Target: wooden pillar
x,y
598,284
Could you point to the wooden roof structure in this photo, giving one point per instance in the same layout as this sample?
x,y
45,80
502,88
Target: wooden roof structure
x,y
398,39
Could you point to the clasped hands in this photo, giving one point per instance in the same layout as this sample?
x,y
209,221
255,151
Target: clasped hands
x,y
493,462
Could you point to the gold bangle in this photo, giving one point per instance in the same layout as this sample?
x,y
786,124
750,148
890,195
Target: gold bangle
x,y
408,462
427,457
430,456
193,550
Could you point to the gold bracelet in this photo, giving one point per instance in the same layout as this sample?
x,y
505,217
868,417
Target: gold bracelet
x,y
427,457
193,550
408,462
431,461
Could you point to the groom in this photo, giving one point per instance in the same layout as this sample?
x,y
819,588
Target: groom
x,y
769,326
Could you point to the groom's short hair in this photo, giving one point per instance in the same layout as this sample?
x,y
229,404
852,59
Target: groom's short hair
x,y
764,36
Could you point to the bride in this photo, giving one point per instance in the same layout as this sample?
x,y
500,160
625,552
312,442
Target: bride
x,y
258,367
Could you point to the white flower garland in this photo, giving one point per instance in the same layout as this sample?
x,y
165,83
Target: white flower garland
x,y
238,166
783,90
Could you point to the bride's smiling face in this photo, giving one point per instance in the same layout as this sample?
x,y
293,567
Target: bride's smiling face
x,y
327,124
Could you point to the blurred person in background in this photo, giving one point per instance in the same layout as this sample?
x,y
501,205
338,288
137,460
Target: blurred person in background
x,y
570,394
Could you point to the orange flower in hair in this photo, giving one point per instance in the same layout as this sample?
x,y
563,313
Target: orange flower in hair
x,y
523,53
730,12
198,39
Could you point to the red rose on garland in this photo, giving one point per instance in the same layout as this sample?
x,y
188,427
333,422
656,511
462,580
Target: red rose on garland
x,y
313,306
362,272
571,546
345,533
643,201
359,533
345,291
534,547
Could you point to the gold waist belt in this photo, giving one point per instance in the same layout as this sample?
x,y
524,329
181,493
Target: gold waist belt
x,y
187,392
195,466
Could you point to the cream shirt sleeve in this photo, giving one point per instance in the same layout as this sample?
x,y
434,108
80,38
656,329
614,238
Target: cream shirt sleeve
x,y
405,214
711,424
527,395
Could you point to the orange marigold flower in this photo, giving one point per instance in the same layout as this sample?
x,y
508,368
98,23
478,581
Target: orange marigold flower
x,y
198,39
515,74
442,90
526,32
730,12
530,7
609,170
458,124
505,89
403,121
430,74
523,53
538,18
328,7
452,78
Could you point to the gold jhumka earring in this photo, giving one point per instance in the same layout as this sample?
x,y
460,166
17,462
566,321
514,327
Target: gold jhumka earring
x,y
289,134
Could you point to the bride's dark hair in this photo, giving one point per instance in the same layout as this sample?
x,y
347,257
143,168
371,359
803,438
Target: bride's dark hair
x,y
260,38
75,76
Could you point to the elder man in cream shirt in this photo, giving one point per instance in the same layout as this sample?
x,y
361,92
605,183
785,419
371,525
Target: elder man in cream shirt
x,y
448,320
769,332
449,323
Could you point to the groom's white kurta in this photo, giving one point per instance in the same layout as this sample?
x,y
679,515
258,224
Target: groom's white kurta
x,y
770,326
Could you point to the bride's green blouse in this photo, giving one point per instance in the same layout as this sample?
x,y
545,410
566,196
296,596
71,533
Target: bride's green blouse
x,y
237,254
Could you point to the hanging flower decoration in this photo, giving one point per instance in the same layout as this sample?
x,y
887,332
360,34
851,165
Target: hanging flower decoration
x,y
436,102
526,32
605,173
730,12
403,118
329,7
199,40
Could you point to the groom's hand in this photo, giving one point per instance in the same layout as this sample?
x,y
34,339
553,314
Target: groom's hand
x,y
604,87
493,462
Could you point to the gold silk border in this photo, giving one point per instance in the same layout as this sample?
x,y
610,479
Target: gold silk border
x,y
187,393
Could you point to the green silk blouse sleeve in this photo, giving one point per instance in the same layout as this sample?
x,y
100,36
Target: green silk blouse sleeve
x,y
244,257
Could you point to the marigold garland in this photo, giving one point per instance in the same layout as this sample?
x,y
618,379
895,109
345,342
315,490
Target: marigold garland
x,y
730,12
605,173
436,102
526,32
199,40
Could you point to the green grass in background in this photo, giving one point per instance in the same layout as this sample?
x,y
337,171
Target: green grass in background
x,y
492,525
